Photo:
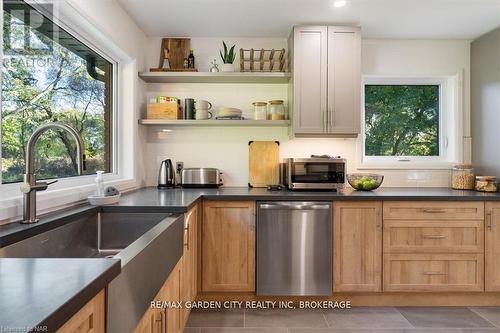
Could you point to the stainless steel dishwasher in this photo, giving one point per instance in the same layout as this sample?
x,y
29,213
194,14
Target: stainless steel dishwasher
x,y
294,248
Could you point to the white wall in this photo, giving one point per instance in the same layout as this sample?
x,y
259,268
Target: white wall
x,y
227,148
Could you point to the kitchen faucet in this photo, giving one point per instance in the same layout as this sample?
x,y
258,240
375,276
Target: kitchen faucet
x,y
30,186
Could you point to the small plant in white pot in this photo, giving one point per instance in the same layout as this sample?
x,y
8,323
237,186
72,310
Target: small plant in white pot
x,y
227,58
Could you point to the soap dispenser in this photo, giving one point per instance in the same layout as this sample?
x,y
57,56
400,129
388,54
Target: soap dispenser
x,y
99,184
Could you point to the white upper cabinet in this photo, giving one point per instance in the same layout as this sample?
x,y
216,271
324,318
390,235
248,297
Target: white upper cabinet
x,y
344,80
326,81
310,80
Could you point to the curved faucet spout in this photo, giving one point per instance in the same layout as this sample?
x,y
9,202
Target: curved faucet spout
x,y
30,186
30,147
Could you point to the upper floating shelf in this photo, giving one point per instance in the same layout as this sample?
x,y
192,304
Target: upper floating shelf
x,y
210,123
221,77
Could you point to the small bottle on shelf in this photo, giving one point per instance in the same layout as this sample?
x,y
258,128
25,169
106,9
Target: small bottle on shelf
x,y
191,59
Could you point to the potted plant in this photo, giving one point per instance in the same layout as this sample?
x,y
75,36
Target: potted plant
x,y
227,58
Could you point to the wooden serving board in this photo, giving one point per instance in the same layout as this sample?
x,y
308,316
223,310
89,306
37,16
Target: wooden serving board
x,y
263,163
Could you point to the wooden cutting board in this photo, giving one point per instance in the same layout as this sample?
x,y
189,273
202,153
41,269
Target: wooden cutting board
x,y
263,163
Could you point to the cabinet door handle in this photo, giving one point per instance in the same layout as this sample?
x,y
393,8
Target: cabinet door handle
x,y
434,210
433,273
325,121
160,323
489,222
186,230
164,321
434,236
330,118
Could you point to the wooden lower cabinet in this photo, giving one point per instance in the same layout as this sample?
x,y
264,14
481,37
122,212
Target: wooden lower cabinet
x,y
189,273
228,246
164,320
173,320
180,286
89,319
433,272
357,246
492,246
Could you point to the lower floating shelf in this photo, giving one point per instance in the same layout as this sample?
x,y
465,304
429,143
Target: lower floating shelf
x,y
208,123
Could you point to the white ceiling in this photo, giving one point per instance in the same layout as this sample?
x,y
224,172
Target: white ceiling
x,y
274,18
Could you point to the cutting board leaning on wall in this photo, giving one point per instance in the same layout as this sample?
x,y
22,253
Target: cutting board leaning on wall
x,y
263,163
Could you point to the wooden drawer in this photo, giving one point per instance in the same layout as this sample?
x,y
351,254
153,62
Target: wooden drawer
x,y
437,236
433,210
435,272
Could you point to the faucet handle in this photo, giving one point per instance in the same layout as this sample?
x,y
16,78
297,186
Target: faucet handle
x,y
39,186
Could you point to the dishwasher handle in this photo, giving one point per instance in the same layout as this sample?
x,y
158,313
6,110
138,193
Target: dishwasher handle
x,y
294,206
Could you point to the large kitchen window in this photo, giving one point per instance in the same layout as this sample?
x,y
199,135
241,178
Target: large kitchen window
x,y
407,120
50,75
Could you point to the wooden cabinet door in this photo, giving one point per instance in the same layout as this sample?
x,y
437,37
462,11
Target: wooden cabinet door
x,y
89,319
492,246
309,79
344,80
189,261
172,292
228,246
357,246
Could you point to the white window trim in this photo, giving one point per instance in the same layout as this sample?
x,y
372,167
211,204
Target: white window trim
x,y
450,116
72,190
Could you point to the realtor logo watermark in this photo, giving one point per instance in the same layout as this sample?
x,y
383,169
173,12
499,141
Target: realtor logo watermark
x,y
5,329
251,305
26,27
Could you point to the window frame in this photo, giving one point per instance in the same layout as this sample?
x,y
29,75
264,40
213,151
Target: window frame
x,y
59,15
449,111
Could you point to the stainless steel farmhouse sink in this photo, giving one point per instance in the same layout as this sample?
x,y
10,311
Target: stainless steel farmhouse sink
x,y
149,244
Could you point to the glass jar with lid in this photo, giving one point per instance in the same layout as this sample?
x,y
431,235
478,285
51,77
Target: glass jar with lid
x,y
276,110
462,177
486,184
259,110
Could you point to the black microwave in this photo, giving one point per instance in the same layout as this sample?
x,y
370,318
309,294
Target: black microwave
x,y
315,173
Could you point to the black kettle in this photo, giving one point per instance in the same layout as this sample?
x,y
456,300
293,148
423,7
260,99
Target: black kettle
x,y
166,175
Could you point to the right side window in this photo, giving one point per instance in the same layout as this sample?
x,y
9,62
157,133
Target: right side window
x,y
402,120
416,120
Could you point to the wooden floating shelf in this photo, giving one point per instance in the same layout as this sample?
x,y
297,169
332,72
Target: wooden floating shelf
x,y
220,77
211,123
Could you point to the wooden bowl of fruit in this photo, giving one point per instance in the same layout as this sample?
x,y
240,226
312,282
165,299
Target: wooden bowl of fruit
x,y
365,181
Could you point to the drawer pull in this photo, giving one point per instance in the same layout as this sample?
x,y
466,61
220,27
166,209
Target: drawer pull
x,y
434,210
433,273
434,236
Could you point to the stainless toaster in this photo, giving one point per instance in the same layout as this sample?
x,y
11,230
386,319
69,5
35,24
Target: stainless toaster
x,y
201,177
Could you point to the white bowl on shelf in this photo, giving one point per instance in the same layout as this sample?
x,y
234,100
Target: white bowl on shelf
x,y
101,201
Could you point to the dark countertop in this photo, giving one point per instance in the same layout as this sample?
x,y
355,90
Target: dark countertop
x,y
179,200
47,292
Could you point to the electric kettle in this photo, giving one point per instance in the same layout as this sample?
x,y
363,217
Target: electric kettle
x,y
166,174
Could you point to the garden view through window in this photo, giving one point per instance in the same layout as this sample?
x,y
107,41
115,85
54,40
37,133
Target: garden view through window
x,y
48,75
401,120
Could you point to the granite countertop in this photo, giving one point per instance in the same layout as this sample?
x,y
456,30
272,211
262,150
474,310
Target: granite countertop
x,y
45,293
179,200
